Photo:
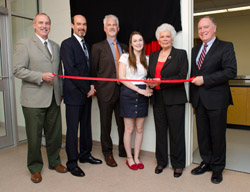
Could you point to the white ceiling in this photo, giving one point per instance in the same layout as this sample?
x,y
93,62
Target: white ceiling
x,y
204,5
208,5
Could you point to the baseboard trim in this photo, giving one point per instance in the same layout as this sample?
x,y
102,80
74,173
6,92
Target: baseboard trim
x,y
115,147
242,127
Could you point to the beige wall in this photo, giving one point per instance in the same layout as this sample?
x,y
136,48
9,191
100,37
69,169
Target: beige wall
x,y
235,29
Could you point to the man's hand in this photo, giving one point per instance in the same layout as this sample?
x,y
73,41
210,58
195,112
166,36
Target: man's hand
x,y
48,77
198,81
91,91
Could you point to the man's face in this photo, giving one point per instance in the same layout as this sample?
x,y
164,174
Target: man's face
x,y
79,26
111,28
42,26
206,29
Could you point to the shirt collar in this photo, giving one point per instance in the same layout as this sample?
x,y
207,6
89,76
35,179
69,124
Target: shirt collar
x,y
111,41
47,40
209,43
78,38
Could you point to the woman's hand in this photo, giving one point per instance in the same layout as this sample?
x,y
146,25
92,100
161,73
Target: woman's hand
x,y
154,84
146,92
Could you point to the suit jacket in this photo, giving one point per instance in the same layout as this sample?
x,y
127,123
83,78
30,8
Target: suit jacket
x,y
75,64
103,65
31,60
175,67
218,67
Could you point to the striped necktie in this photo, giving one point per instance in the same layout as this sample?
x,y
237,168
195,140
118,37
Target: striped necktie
x,y
202,56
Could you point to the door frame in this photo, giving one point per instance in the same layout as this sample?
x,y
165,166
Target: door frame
x,y
8,83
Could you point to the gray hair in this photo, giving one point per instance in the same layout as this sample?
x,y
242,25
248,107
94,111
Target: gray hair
x,y
110,17
38,14
165,27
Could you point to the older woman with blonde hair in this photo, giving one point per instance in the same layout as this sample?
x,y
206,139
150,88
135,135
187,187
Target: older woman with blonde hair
x,y
169,100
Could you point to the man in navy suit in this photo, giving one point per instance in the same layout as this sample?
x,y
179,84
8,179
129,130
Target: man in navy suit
x,y
210,96
75,55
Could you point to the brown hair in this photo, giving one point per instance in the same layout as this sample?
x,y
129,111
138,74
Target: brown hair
x,y
132,58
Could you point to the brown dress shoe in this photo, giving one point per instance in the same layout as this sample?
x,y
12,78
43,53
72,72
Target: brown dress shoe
x,y
36,177
110,161
59,168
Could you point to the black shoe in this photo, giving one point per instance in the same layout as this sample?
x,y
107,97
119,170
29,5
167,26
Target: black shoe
x,y
77,172
91,160
178,172
158,169
216,177
202,168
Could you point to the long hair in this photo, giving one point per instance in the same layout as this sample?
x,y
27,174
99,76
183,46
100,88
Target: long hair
x,y
132,58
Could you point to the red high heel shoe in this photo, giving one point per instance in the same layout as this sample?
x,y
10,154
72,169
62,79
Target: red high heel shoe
x,y
133,167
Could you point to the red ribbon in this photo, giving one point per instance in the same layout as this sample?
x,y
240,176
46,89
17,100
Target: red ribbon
x,y
134,80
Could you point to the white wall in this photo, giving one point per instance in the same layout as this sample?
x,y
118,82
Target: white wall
x,y
61,30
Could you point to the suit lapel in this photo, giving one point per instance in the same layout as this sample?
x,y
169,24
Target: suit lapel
x,y
169,59
154,62
40,45
194,56
109,52
53,49
210,53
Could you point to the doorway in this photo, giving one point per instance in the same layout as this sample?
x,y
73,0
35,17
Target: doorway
x,y
233,27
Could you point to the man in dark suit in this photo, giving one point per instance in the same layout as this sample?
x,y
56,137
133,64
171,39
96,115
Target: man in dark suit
x,y
78,97
108,93
35,59
210,96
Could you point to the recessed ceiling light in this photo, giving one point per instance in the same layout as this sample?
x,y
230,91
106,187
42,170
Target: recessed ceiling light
x,y
222,11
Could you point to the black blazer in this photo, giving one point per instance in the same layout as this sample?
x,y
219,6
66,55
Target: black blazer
x,y
75,64
175,67
103,66
218,67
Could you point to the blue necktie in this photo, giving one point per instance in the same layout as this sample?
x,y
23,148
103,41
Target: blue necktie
x,y
85,50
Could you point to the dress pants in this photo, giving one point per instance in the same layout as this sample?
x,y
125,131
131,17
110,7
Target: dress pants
x,y
211,131
106,111
170,117
35,120
76,114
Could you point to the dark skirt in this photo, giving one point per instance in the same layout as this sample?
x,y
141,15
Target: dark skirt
x,y
133,104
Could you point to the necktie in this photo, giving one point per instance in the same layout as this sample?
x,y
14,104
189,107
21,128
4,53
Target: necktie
x,y
46,47
202,56
117,57
85,50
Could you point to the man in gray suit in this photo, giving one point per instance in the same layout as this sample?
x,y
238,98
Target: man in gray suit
x,y
35,60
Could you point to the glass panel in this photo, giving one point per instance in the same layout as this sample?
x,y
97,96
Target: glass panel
x,y
24,7
1,73
21,28
2,3
2,116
